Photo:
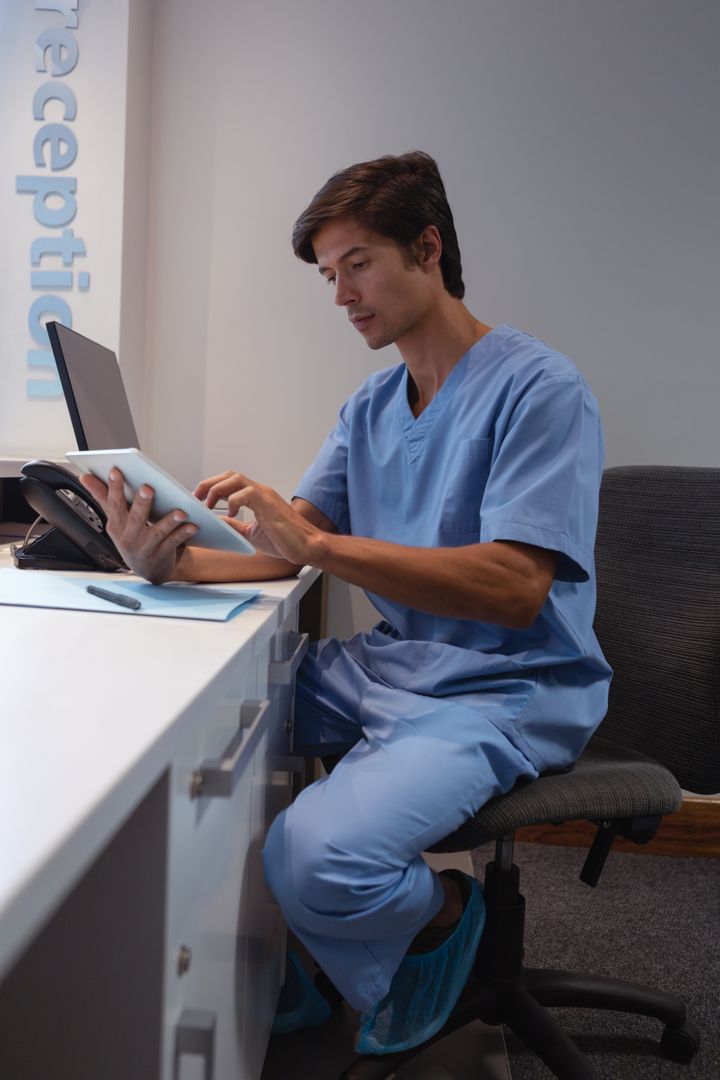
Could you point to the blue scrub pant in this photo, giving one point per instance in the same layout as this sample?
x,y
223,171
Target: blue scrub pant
x,y
344,860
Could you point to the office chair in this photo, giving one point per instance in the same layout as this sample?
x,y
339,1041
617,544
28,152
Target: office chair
x,y
658,622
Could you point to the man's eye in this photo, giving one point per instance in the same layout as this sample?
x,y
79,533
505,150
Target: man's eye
x,y
330,280
358,265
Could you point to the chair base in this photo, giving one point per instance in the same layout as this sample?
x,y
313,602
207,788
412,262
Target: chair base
x,y
502,991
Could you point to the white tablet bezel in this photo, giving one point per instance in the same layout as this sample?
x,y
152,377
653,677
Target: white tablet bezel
x,y
170,494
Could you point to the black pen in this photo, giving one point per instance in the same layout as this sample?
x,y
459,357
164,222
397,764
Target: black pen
x,y
114,597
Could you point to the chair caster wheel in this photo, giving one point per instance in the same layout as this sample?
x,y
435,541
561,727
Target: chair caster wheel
x,y
680,1044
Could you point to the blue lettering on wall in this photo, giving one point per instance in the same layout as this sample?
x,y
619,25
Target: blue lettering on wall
x,y
46,188
55,136
54,91
54,202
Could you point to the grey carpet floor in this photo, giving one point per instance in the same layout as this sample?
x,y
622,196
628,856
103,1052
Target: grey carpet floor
x,y
651,919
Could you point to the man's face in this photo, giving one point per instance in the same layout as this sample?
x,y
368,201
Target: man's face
x,y
385,296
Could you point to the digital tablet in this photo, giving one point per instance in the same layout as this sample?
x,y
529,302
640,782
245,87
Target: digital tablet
x,y
138,469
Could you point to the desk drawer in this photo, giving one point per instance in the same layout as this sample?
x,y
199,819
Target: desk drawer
x,y
277,671
223,722
197,822
203,971
224,961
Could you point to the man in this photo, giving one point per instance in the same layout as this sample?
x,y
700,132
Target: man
x,y
459,488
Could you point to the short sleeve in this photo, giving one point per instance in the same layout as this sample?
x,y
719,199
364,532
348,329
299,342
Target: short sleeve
x,y
324,484
544,479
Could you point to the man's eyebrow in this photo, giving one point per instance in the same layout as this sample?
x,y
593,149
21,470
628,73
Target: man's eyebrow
x,y
348,255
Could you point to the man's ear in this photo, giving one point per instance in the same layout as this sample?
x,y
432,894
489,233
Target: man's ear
x,y
429,247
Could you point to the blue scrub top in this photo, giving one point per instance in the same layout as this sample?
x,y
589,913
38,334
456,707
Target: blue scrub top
x,y
510,448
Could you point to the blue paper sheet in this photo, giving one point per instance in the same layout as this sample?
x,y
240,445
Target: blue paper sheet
x,y
47,588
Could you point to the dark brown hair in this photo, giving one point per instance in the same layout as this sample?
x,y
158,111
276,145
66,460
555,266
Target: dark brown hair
x,y
394,196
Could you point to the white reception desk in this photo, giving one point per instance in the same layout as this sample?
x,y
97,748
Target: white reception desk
x,y
142,762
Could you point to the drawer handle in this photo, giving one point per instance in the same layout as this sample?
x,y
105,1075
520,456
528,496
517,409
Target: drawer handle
x,y
283,672
217,778
195,1034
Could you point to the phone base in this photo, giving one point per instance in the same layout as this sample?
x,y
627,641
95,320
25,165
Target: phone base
x,y
53,551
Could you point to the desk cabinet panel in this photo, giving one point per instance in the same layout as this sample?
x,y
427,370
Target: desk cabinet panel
x,y
226,934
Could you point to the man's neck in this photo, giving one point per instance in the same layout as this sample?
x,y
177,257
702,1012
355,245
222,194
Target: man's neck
x,y
435,346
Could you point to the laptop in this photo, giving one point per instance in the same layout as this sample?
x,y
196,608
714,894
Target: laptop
x,y
92,383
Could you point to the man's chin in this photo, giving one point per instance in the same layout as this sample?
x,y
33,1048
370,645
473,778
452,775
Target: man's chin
x,y
376,343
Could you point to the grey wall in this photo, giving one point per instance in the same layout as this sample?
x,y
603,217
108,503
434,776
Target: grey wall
x,y
579,144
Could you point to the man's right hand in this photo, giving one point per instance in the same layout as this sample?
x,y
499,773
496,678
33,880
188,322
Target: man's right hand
x,y
150,550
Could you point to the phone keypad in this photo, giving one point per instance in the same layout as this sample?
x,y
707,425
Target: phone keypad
x,y
81,507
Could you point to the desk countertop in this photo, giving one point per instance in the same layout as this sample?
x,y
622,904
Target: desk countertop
x,y
89,703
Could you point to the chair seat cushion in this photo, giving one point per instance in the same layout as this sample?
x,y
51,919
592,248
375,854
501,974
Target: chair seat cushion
x,y
608,781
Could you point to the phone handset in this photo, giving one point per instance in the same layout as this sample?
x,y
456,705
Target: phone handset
x,y
77,539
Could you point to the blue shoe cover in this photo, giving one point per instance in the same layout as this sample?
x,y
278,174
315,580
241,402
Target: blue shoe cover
x,y
301,1005
425,988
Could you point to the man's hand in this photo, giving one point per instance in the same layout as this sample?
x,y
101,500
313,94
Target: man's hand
x,y
150,550
277,530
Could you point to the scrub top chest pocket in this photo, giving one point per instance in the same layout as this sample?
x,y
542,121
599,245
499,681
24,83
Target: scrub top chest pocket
x,y
465,488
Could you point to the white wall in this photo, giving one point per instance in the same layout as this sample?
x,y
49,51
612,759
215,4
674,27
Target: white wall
x,y
578,142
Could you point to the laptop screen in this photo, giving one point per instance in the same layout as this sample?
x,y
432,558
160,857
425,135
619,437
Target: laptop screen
x,y
94,391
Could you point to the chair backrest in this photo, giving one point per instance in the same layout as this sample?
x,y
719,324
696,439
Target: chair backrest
x,y
658,615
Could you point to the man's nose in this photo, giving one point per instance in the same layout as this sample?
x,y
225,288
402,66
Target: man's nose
x,y
343,293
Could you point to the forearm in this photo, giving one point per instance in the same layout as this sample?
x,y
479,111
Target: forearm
x,y
493,582
203,564
503,582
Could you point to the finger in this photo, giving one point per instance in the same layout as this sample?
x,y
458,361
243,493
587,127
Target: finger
x,y
243,527
260,498
225,488
204,486
97,489
170,532
154,554
139,512
245,497
117,507
177,539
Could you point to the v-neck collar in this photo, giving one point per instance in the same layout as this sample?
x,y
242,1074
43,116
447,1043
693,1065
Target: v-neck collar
x,y
415,428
